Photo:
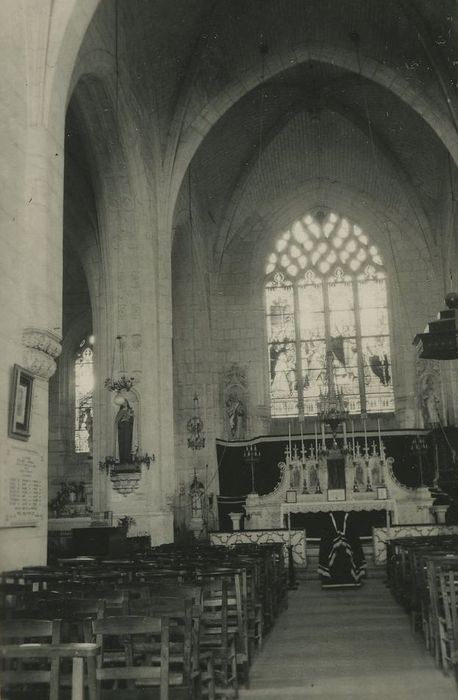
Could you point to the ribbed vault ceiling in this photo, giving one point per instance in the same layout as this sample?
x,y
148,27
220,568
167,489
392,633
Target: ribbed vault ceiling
x,y
177,58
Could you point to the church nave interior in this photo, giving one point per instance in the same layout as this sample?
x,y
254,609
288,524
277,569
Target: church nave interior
x,y
229,362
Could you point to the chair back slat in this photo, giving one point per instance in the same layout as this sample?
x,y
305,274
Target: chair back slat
x,y
25,631
127,624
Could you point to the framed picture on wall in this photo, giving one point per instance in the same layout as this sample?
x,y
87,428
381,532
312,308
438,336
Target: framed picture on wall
x,y
20,404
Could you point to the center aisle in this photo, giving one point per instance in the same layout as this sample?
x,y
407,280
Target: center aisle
x,y
345,644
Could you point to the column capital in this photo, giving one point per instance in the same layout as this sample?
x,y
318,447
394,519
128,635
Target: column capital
x,y
41,348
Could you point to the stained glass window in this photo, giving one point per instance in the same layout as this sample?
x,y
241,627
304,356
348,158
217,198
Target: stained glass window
x,y
84,387
326,290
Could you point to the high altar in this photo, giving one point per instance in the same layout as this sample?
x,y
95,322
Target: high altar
x,y
337,475
322,476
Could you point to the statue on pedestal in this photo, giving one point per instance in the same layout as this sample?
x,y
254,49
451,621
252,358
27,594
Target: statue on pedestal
x,y
125,429
430,404
235,411
235,402
197,495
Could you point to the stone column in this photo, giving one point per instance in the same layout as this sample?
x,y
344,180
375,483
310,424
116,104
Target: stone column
x,y
235,517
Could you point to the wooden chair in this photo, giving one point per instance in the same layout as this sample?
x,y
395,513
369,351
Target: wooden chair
x,y
184,611
254,609
448,620
51,653
28,671
216,638
137,655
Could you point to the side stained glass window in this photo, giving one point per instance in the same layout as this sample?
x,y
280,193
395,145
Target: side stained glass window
x,y
326,290
282,345
84,388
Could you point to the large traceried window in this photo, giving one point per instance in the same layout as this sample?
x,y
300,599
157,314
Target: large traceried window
x,y
84,388
326,290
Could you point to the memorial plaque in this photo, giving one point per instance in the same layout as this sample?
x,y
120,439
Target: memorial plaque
x,y
23,494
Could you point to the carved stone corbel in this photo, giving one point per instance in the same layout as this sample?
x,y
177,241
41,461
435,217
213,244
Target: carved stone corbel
x,y
41,349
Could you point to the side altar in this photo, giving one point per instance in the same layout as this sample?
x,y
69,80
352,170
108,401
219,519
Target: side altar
x,y
341,477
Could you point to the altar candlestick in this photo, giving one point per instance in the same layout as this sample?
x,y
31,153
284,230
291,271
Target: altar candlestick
x,y
379,438
289,441
353,435
302,445
316,442
344,434
323,436
365,436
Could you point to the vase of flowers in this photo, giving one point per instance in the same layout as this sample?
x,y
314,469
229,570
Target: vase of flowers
x,y
126,522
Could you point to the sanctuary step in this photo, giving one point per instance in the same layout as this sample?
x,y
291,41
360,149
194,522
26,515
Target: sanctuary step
x,y
345,645
311,573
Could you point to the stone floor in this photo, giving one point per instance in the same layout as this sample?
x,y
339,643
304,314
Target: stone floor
x,y
345,645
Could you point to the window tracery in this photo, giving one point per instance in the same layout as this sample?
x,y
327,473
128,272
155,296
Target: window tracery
x,y
326,289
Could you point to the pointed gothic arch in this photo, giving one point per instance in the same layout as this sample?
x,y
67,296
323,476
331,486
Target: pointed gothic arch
x,y
326,289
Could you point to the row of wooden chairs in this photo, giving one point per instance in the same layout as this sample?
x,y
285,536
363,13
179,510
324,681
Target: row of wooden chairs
x,y
263,581
211,607
158,645
126,656
31,653
423,575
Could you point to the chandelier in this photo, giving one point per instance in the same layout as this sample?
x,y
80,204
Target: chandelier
x,y
119,381
195,426
332,407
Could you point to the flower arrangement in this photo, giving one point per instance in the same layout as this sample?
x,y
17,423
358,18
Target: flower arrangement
x,y
70,494
126,522
136,460
123,383
109,463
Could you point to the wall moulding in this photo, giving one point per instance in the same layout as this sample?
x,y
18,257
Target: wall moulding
x,y
41,348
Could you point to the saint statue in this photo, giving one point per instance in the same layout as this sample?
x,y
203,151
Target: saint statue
x,y
235,412
86,423
89,428
197,492
125,426
430,404
295,477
